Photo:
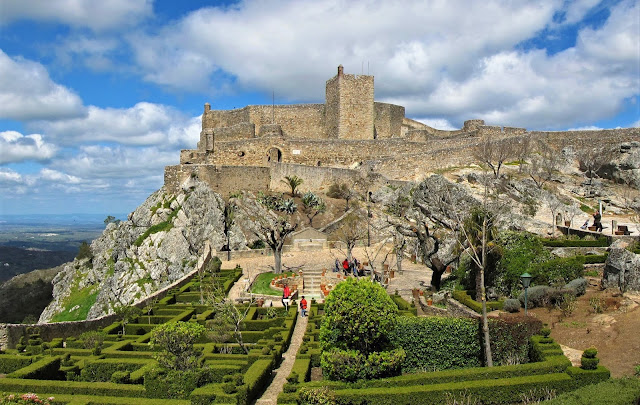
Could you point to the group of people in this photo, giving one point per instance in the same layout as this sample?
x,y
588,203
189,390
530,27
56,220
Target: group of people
x,y
347,266
286,300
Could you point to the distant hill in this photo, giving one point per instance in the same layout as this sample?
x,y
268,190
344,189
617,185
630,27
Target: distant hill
x,y
26,294
14,261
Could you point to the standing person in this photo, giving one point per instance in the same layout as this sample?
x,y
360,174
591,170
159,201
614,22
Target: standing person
x,y
597,221
336,267
285,296
303,307
345,267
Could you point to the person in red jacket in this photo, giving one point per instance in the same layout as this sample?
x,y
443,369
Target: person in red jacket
x,y
303,306
285,296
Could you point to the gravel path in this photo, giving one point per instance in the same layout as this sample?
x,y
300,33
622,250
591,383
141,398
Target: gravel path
x,y
270,396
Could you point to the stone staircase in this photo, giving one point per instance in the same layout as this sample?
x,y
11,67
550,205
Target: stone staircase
x,y
312,279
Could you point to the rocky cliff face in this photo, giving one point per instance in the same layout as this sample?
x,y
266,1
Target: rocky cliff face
x,y
159,243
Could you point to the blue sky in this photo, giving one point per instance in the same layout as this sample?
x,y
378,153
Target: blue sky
x,y
97,96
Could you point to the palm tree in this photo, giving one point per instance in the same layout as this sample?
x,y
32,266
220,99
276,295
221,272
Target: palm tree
x,y
293,182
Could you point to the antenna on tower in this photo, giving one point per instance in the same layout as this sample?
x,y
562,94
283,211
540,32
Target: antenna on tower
x,y
362,68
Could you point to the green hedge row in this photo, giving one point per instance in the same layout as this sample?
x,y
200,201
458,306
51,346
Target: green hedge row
x,y
464,298
102,370
624,391
256,380
106,400
10,363
71,387
438,343
500,391
47,368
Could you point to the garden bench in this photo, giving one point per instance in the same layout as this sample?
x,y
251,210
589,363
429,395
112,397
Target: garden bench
x,y
623,230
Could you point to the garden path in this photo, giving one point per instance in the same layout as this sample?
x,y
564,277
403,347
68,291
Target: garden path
x,y
270,396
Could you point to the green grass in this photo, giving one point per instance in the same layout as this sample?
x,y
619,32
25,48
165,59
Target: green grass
x,y
77,304
586,208
262,285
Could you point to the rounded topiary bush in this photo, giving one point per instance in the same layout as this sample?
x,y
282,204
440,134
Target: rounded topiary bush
x,y
537,296
578,286
590,353
589,364
511,305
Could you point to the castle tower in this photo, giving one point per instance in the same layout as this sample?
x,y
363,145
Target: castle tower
x,y
349,106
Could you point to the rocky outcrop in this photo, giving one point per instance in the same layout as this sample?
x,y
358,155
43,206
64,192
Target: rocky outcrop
x,y
622,270
159,243
625,167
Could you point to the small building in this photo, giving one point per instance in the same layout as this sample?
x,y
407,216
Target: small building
x,y
309,239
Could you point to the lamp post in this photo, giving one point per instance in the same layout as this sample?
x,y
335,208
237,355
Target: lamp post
x,y
526,280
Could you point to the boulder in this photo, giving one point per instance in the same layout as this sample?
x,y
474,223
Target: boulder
x,y
622,270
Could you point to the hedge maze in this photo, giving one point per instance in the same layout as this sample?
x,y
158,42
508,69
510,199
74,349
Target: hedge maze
x,y
122,369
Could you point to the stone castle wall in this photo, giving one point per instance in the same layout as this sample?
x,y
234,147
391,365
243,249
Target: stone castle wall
x,y
223,179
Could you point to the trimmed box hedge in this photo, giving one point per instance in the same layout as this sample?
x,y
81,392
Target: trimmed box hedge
x,y
600,242
464,298
102,370
71,387
10,362
47,368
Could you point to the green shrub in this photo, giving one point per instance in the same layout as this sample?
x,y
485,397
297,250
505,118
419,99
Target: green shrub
x,y
593,259
464,298
511,305
438,343
590,353
10,363
557,271
121,377
510,337
316,396
176,340
623,391
103,369
520,251
173,384
589,363
578,286
47,368
537,296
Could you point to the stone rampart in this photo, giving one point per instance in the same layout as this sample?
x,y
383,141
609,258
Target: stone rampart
x,y
388,120
349,106
223,179
243,130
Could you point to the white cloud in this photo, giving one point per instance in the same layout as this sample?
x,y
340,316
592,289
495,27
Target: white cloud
x,y
293,45
118,162
15,147
437,123
428,56
8,176
142,124
59,177
97,15
27,92
97,54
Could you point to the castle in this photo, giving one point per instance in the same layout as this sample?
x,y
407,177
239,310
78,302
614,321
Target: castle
x,y
255,147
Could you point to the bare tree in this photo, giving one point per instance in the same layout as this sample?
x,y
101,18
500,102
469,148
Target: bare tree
x,y
268,217
228,322
523,150
352,229
545,164
494,153
274,230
